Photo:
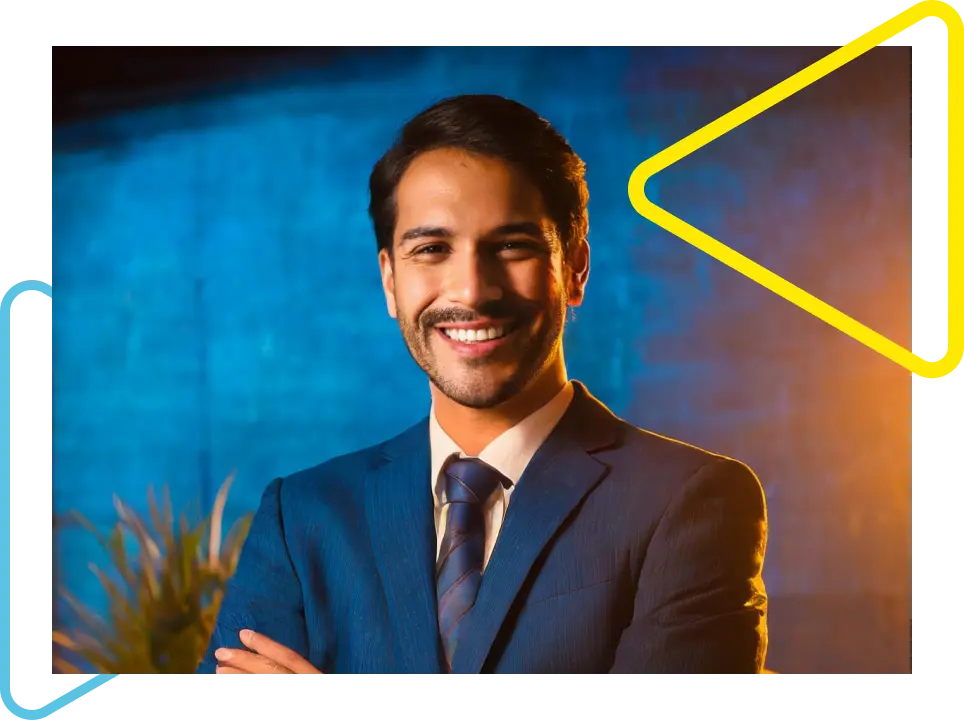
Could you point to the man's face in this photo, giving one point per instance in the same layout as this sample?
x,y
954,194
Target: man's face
x,y
478,282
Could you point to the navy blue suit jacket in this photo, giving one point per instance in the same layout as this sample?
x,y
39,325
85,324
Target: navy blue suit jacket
x,y
621,551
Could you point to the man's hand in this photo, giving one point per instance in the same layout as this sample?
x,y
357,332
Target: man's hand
x,y
264,657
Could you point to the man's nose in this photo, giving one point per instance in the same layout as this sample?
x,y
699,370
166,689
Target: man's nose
x,y
473,280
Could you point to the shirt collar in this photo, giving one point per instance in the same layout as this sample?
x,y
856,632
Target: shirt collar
x,y
511,451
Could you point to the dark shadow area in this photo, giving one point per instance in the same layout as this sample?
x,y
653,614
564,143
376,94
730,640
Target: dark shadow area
x,y
93,86
93,82
88,81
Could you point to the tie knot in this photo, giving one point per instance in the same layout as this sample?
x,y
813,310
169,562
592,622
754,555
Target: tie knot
x,y
470,480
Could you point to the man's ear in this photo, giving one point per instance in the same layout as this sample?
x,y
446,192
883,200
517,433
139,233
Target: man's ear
x,y
578,264
387,268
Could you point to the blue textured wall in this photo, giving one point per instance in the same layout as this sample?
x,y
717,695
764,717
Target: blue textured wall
x,y
218,303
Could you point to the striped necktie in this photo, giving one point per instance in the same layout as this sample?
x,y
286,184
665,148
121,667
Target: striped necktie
x,y
468,484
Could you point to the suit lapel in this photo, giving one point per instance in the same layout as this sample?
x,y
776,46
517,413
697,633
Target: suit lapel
x,y
559,476
402,526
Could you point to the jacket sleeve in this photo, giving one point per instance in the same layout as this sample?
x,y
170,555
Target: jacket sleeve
x,y
701,606
264,594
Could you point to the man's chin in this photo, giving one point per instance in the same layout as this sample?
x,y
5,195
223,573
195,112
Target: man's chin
x,y
476,393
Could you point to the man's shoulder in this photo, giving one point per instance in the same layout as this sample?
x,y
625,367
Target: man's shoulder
x,y
632,446
347,469
665,450
344,467
659,469
668,461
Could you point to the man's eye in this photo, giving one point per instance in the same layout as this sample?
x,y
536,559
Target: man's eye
x,y
430,249
526,245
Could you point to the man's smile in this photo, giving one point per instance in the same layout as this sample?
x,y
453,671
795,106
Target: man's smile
x,y
478,338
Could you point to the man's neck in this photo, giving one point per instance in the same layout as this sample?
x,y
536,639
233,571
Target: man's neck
x,y
473,429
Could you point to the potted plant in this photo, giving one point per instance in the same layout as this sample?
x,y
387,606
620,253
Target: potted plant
x,y
164,589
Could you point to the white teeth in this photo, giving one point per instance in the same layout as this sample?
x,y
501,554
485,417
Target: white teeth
x,y
472,336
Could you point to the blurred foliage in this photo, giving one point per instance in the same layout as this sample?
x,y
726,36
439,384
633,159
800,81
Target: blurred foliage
x,y
164,589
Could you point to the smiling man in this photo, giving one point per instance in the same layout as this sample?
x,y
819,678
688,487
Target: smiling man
x,y
521,526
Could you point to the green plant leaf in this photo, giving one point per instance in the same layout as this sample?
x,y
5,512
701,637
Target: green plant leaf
x,y
217,516
117,552
162,598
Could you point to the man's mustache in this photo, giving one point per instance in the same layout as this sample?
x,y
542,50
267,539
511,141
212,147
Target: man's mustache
x,y
501,310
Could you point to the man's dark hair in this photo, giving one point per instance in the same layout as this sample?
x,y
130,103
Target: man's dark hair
x,y
494,127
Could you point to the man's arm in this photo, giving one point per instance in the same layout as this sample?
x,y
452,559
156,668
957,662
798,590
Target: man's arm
x,y
264,594
700,603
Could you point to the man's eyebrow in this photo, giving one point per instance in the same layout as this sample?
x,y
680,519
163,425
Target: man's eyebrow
x,y
432,231
425,231
521,228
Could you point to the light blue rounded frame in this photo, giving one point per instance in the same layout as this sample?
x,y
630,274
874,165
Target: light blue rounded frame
x,y
81,689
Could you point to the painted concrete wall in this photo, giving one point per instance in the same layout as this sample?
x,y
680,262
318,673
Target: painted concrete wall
x,y
218,303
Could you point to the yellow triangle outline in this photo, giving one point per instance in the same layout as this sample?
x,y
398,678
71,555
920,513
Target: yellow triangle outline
x,y
753,107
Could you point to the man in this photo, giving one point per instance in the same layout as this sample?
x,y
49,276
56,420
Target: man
x,y
521,527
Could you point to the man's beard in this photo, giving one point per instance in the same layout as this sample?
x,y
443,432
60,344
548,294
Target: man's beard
x,y
483,393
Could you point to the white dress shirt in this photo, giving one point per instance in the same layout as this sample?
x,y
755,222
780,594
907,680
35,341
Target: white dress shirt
x,y
509,453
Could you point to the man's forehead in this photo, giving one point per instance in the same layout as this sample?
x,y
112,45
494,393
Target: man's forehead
x,y
497,197
456,171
